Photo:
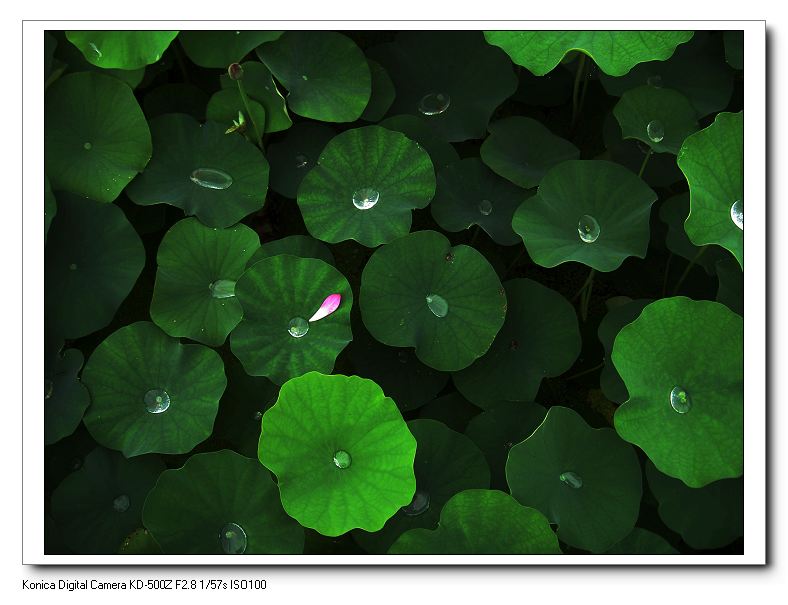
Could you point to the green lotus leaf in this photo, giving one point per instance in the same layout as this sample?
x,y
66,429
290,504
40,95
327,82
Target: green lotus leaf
x,y
225,106
196,167
277,337
609,380
540,338
730,290
296,245
590,211
121,49
364,187
220,503
469,193
615,52
383,93
139,542
69,59
65,397
194,295
97,506
50,207
522,150
673,213
453,410
713,162
682,363
586,480
91,264
296,154
708,517
446,463
496,430
482,522
424,133
696,70
151,393
457,89
642,542
419,291
341,452
95,137
326,75
178,97
220,48
260,86
398,372
734,48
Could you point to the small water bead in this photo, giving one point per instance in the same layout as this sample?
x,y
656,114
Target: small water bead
x,y
211,178
434,103
301,161
73,266
573,480
365,198
298,327
438,305
222,288
655,81
87,146
342,459
96,50
680,400
157,401
121,504
588,229
485,207
304,77
737,214
49,386
258,416
655,131
418,505
232,539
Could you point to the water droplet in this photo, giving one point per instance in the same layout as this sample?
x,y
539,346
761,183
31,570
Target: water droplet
x,y
418,505
588,229
449,258
434,103
737,214
121,503
95,49
258,416
655,81
49,386
87,146
211,178
437,305
342,459
222,288
365,198
655,131
573,480
485,207
304,77
402,356
73,266
232,538
298,327
157,401
238,32
680,400
301,161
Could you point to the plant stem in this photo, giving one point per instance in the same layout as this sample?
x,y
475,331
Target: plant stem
x,y
645,161
586,297
474,235
584,286
667,273
688,269
258,138
578,76
588,371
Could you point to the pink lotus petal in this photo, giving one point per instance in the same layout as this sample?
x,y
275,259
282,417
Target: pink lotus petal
x,y
330,304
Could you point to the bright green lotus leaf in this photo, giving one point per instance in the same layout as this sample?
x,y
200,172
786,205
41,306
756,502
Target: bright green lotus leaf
x,y
69,59
225,106
734,48
586,480
97,506
151,393
642,542
453,410
364,187
590,211
522,150
220,48
196,167
482,522
713,162
496,430
419,291
65,397
260,86
398,372
615,52
468,193
452,78
277,337
341,452
95,137
383,93
730,289
194,295
121,49
446,463
139,542
296,245
50,207
682,363
220,503
540,338
616,318
696,70
708,517
326,75
659,117
296,154
178,97
673,213
424,133
92,261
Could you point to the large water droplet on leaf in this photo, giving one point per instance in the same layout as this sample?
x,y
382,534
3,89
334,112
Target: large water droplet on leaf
x,y
121,504
573,480
737,214
298,327
211,178
434,103
418,505
485,207
365,198
157,401
680,400
438,305
222,288
655,131
342,459
232,539
588,229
